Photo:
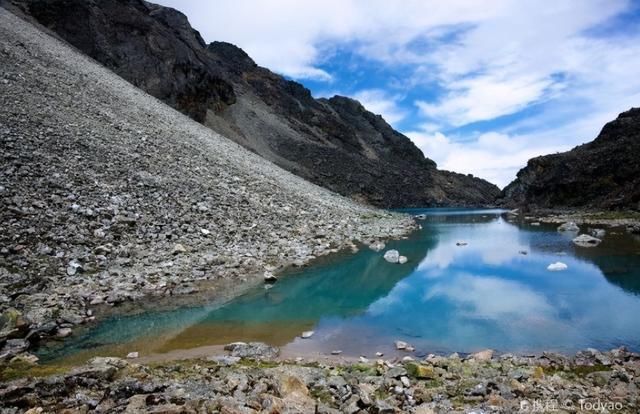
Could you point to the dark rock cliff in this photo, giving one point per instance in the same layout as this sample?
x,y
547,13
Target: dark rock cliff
x,y
602,174
335,142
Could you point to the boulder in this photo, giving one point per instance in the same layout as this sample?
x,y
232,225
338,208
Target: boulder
x,y
484,355
392,256
402,259
584,240
307,334
599,233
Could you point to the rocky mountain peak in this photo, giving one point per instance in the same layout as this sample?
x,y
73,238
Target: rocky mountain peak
x,y
232,55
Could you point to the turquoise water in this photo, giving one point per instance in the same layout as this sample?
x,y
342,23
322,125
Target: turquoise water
x,y
487,294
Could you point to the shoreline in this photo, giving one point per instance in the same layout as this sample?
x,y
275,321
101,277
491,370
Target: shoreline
x,y
253,378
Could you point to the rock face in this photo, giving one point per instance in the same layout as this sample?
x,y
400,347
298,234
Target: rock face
x,y
335,142
602,174
153,47
104,192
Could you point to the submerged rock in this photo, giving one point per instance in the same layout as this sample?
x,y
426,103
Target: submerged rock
x,y
569,227
392,256
401,345
584,240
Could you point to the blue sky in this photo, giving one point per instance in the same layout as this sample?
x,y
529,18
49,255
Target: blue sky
x,y
480,86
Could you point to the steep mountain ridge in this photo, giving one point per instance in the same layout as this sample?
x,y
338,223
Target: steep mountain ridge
x,y
335,142
602,174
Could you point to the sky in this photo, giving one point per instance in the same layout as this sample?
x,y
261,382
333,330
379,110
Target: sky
x,y
479,86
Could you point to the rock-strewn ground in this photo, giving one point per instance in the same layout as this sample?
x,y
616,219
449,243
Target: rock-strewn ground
x,y
108,195
590,381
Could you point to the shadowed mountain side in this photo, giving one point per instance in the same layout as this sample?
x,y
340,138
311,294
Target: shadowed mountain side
x,y
335,142
602,174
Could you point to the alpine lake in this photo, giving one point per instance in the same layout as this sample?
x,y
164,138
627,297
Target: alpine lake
x,y
474,279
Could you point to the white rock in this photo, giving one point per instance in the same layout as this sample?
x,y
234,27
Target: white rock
x,y
307,334
569,227
557,267
336,352
379,354
179,248
584,240
402,259
392,256
405,381
133,355
377,246
63,332
205,232
535,223
363,360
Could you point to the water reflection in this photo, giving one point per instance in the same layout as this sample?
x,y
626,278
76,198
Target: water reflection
x,y
493,292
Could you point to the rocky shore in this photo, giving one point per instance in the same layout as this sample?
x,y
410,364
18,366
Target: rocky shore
x,y
108,195
251,379
626,219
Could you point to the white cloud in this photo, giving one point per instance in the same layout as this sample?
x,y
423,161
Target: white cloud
x,y
492,298
493,156
484,98
475,60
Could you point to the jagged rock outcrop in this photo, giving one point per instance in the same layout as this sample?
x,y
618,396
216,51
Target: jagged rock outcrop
x,y
335,142
151,46
602,174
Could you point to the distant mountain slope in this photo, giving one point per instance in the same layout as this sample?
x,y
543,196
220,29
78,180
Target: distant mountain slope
x,y
333,142
604,173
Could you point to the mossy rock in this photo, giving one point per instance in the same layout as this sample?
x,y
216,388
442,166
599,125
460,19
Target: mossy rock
x,y
11,322
420,371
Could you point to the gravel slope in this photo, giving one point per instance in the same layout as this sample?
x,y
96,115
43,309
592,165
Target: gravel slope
x,y
109,195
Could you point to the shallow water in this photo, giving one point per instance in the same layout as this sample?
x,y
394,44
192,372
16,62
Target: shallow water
x,y
487,294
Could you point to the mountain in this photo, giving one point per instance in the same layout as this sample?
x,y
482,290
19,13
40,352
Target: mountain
x,y
109,195
602,174
335,143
